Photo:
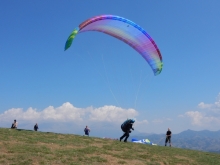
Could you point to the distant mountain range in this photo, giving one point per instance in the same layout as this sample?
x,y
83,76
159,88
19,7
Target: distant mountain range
x,y
197,140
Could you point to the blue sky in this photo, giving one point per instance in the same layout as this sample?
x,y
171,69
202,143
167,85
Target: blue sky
x,y
100,81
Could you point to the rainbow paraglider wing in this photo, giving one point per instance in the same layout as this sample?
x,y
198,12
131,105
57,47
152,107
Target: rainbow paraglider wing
x,y
126,31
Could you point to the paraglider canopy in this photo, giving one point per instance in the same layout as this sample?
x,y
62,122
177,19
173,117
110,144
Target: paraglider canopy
x,y
126,31
143,141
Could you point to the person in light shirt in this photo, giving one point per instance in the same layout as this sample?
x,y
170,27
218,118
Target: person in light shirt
x,y
14,125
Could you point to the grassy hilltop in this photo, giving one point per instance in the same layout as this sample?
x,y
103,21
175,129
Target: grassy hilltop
x,y
29,147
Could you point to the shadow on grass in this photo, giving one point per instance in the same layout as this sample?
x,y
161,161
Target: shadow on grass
x,y
23,130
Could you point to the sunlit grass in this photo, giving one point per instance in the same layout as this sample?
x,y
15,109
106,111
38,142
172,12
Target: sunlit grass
x,y
29,147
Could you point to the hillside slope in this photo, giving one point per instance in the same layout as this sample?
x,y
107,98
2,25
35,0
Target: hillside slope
x,y
29,147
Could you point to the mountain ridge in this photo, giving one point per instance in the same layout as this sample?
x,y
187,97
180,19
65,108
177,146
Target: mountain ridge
x,y
204,140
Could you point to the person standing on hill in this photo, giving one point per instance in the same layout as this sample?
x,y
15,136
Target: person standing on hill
x,y
14,125
87,130
168,137
36,127
126,127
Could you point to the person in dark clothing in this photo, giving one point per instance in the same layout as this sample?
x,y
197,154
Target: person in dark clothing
x,y
126,128
87,130
168,137
36,127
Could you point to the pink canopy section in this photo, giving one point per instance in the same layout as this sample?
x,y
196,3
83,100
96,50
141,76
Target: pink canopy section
x,y
126,31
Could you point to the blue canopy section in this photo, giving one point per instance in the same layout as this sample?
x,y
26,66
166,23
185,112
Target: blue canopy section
x,y
143,141
128,121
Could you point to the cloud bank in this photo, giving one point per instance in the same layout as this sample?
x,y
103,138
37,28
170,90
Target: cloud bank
x,y
208,115
68,113
69,117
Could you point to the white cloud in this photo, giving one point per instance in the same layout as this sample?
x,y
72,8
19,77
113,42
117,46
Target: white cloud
x,y
112,114
214,106
68,118
68,113
202,105
217,103
202,119
208,117
196,117
18,113
141,124
65,113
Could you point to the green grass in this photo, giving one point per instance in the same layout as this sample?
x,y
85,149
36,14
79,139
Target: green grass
x,y
25,147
